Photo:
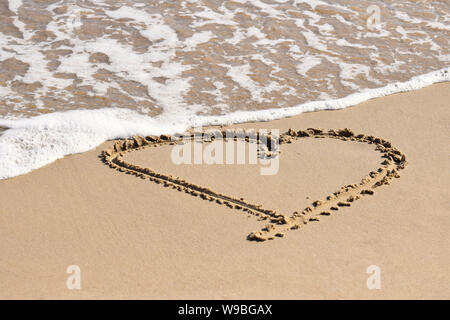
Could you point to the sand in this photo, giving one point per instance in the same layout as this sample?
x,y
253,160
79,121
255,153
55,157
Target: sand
x,y
134,238
223,140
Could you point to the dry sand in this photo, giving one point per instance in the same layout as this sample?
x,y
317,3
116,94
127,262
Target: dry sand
x,y
133,238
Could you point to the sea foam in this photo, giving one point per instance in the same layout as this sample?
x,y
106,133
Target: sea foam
x,y
31,143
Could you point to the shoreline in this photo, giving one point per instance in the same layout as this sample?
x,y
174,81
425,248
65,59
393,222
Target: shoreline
x,y
133,238
125,123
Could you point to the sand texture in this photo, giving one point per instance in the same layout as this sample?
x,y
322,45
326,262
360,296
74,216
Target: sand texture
x,y
376,176
393,161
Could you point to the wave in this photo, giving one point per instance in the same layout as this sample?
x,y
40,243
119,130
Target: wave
x,y
31,143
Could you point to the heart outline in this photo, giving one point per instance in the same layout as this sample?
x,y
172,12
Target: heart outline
x,y
278,223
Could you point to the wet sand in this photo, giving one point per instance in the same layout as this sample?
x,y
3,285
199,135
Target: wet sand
x,y
134,238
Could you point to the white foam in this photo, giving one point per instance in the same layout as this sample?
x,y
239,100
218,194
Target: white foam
x,y
241,75
212,17
415,83
31,143
14,5
34,142
160,66
308,62
312,3
313,41
196,39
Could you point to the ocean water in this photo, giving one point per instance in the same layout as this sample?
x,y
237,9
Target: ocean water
x,y
74,73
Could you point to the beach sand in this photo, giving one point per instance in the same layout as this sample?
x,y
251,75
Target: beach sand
x,y
133,238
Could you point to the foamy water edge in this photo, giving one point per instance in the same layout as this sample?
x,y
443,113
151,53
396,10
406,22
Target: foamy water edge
x,y
32,143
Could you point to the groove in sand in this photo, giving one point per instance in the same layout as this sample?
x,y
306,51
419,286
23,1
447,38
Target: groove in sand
x,y
278,224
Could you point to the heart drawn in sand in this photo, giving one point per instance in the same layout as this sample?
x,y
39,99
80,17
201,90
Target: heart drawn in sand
x,y
278,224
